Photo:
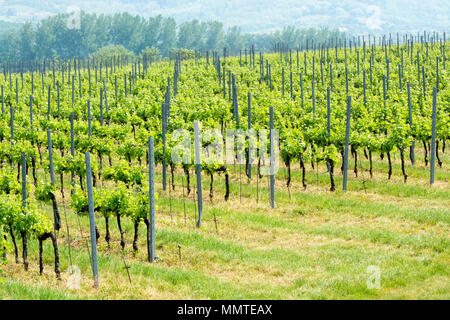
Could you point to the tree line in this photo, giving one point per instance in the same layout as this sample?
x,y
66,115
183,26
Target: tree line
x,y
58,37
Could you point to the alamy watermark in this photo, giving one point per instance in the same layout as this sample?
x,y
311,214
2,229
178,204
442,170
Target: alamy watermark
x,y
74,278
234,146
74,19
374,278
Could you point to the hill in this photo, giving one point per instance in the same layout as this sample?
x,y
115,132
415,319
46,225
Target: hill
x,y
373,16
6,26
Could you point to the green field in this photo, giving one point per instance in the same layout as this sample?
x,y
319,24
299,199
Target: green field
x,y
315,244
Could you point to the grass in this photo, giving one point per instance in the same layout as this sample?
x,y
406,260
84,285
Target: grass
x,y
314,245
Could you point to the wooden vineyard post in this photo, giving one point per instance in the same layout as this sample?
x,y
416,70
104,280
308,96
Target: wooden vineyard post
x,y
253,56
31,112
235,101
59,98
17,92
101,106
24,207
330,163
224,82
424,83
164,164
72,149
321,71
272,162
357,60
43,81
433,138
57,223
387,75
364,86
347,139
3,102
331,77
92,218
301,89
12,123
115,87
151,232
175,80
89,119
130,82
411,150
198,171
24,181
346,75
328,113
437,73
249,126
229,85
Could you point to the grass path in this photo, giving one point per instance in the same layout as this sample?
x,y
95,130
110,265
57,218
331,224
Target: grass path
x,y
314,245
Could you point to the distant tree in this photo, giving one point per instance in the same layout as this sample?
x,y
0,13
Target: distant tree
x,y
13,47
45,45
168,36
185,35
199,32
234,40
191,34
214,35
111,51
152,31
26,45
130,35
123,26
102,30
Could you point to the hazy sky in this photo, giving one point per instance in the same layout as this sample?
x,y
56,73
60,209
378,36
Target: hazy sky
x,y
259,15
